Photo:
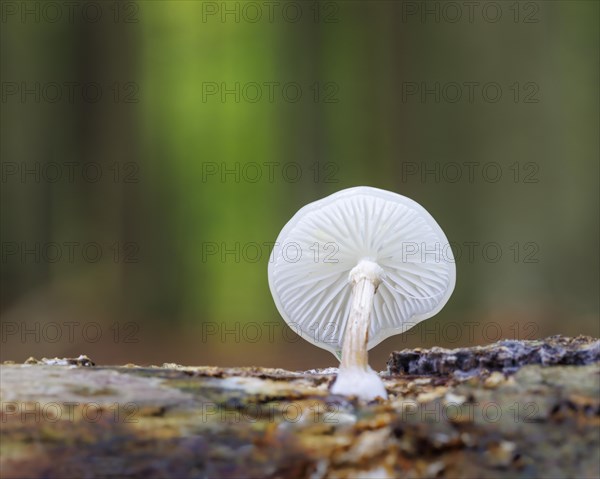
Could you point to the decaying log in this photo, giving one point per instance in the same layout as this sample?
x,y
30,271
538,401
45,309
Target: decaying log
x,y
510,409
506,356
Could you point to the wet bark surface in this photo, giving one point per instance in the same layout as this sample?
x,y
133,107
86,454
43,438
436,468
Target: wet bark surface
x,y
511,409
505,356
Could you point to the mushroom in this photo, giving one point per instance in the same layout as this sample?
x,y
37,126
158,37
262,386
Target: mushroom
x,y
356,267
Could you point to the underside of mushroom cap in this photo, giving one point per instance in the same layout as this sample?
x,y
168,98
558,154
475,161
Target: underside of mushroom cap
x,y
316,250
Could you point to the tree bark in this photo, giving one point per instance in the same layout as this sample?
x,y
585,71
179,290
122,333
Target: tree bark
x,y
501,411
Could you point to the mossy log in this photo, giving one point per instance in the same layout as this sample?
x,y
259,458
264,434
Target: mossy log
x,y
501,411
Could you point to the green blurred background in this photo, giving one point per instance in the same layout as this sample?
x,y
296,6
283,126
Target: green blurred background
x,y
212,123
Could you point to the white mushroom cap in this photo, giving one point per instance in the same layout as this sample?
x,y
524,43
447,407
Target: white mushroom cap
x,y
316,250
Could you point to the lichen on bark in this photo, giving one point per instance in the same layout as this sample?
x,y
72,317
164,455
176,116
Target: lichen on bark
x,y
68,418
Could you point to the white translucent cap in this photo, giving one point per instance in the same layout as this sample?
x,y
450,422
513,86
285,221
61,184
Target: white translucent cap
x,y
316,250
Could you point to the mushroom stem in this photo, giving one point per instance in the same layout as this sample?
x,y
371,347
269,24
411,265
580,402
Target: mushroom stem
x,y
355,376
356,337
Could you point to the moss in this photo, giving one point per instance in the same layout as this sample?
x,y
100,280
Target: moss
x,y
90,392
